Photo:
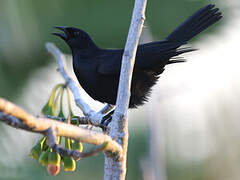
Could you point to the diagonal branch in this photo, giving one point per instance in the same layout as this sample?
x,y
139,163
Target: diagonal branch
x,y
18,118
94,116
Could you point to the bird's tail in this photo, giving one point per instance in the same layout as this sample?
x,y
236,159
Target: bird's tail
x,y
195,24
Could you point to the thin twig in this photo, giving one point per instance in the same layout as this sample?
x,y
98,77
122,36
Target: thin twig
x,y
76,154
85,120
52,142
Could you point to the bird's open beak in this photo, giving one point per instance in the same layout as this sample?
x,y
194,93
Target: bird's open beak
x,y
63,35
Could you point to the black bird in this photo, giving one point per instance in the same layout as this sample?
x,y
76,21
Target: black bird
x,y
98,69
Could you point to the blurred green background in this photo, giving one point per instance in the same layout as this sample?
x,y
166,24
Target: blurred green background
x,y
27,25
188,130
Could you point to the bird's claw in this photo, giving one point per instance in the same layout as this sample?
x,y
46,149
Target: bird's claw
x,y
106,119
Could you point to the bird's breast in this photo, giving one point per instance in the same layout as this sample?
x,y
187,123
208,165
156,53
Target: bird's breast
x,y
86,74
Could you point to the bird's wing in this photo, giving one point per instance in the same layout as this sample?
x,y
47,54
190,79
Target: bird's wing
x,y
149,55
155,53
110,61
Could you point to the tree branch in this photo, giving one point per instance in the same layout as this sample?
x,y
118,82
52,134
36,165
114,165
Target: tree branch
x,y
114,169
85,120
52,142
18,118
94,116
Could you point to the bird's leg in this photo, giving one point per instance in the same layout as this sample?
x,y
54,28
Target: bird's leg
x,y
106,116
106,108
107,119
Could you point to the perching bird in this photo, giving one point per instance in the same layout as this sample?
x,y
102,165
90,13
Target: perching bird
x,y
98,69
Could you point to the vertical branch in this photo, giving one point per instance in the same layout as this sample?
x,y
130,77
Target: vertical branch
x,y
116,169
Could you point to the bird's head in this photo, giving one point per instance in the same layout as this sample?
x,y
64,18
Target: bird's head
x,y
75,38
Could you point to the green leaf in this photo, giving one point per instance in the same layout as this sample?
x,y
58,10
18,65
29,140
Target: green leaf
x,y
61,114
36,151
69,103
76,145
47,108
44,144
54,158
69,163
67,143
43,159
38,148
55,104
59,140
